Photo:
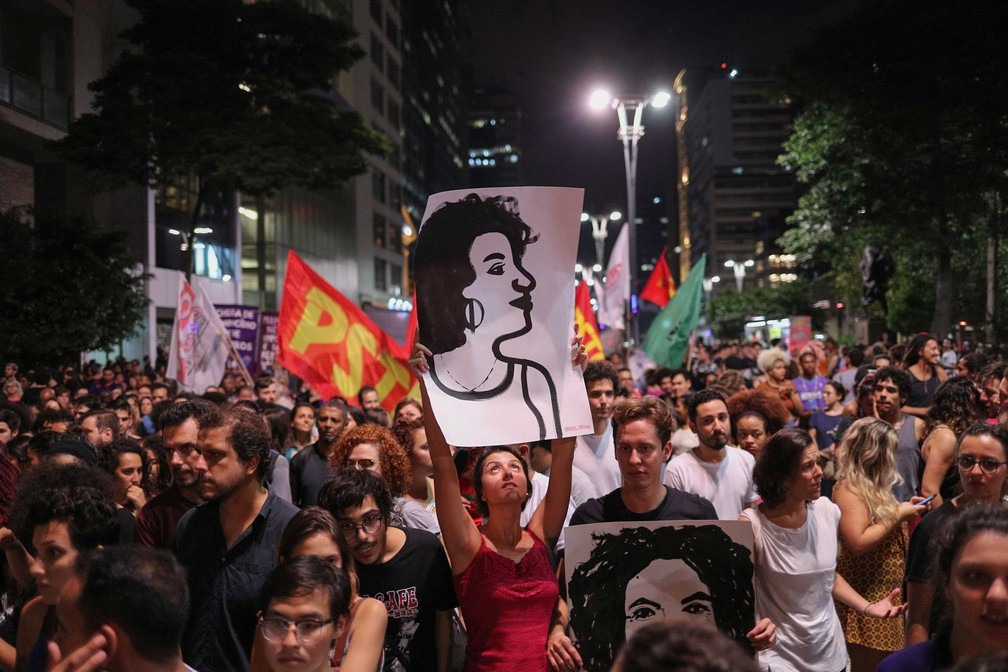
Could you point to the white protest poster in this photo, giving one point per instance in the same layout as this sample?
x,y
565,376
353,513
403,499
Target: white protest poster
x,y
200,345
621,576
495,305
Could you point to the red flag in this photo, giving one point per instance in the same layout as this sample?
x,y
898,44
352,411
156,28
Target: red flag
x,y
660,287
332,345
584,317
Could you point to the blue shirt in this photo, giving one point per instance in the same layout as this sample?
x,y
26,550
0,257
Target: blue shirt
x,y
224,583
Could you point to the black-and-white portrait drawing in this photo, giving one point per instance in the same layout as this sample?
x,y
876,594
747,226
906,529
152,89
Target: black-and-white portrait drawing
x,y
620,578
495,305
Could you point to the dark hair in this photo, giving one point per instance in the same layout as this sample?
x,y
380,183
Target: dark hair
x,y
477,477
696,399
955,532
770,409
995,370
779,463
50,415
155,444
141,590
974,363
262,382
395,464
855,356
177,414
647,408
956,404
442,264
278,419
899,377
308,522
598,611
997,432
12,419
247,435
601,370
75,494
300,404
109,458
362,391
684,647
348,488
914,347
404,430
838,388
304,575
377,416
104,420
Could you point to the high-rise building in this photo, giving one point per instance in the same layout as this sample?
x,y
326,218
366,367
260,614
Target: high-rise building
x,y
733,197
495,139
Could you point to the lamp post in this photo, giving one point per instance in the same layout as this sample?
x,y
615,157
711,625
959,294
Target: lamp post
x,y
739,269
600,229
630,134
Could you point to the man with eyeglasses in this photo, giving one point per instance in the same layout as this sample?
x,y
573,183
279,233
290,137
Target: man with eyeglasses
x,y
228,545
982,464
309,468
404,568
179,425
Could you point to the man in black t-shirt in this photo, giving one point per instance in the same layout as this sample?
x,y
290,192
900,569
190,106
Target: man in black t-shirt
x,y
405,569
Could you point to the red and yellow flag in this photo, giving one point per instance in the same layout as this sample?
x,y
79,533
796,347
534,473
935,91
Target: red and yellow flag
x,y
584,317
660,287
330,343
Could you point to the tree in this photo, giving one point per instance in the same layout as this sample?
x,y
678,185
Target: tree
x,y
66,286
239,95
729,310
900,143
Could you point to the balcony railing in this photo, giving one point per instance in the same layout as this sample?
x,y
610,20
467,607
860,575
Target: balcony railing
x,y
34,99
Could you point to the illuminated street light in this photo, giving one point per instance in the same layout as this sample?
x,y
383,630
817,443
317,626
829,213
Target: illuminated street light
x,y
630,135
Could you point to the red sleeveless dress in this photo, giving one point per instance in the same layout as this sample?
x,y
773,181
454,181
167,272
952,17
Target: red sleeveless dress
x,y
507,608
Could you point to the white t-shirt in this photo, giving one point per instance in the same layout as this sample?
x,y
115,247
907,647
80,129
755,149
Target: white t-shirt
x,y
595,456
684,440
727,484
795,571
540,483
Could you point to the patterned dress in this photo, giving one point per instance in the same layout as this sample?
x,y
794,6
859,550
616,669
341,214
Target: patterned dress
x,y
874,575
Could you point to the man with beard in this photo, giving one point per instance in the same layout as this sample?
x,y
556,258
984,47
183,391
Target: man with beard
x,y
179,425
309,468
714,470
228,545
892,389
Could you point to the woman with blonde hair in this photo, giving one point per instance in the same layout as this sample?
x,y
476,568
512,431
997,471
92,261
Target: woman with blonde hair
x,y
873,536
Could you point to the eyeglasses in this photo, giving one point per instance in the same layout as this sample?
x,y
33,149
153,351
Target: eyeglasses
x,y
987,465
359,464
308,629
370,525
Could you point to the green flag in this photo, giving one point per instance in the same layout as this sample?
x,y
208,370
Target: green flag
x,y
668,337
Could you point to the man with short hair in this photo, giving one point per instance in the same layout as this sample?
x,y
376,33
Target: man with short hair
x,y
10,426
367,397
593,453
157,520
892,388
160,392
265,390
124,610
406,569
719,473
228,545
626,382
100,427
989,380
309,468
810,384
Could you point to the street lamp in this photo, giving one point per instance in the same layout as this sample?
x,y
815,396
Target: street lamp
x,y
600,230
739,269
630,134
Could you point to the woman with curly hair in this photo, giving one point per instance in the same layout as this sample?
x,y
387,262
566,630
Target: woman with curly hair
x,y
774,363
873,535
956,404
642,575
374,448
755,418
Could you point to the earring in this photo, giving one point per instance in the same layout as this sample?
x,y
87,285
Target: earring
x,y
473,314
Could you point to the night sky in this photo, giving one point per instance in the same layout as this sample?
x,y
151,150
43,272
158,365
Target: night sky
x,y
553,53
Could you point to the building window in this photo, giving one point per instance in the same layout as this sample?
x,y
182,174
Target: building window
x,y
378,228
395,196
392,32
377,51
377,97
393,113
378,185
396,271
380,274
376,11
392,72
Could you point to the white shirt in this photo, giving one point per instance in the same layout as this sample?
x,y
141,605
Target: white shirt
x,y
684,440
596,457
540,483
727,484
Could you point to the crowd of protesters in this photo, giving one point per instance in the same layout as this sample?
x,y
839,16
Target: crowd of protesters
x,y
256,526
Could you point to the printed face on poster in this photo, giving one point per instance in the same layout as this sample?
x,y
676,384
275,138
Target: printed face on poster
x,y
622,576
495,304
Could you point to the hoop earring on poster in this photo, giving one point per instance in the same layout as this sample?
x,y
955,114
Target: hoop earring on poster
x,y
473,314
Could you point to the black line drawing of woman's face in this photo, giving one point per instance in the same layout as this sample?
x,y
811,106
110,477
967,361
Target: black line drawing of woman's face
x,y
666,589
502,287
